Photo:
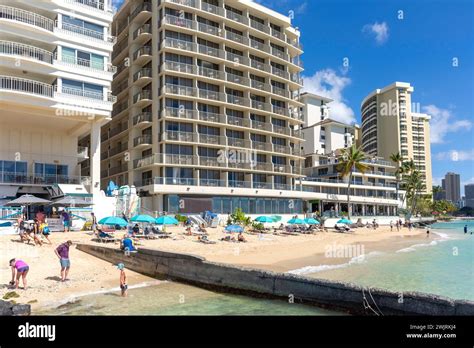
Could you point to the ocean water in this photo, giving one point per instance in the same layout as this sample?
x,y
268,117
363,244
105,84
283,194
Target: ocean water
x,y
444,266
170,298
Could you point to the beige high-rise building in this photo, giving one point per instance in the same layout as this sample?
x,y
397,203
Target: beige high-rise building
x,y
207,115
390,125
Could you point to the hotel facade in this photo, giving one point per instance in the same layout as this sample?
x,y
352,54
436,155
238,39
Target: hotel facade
x,y
54,90
207,115
390,124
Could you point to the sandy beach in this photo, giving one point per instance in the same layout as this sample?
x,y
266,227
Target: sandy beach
x,y
91,275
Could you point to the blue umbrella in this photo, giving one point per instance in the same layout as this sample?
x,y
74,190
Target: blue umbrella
x,y
296,222
113,221
277,218
264,219
234,229
311,221
143,218
166,220
345,221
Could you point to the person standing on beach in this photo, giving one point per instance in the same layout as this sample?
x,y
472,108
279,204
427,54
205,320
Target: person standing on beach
x,y
66,220
62,252
391,226
94,222
123,279
19,269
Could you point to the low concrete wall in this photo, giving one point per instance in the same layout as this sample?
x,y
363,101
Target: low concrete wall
x,y
329,294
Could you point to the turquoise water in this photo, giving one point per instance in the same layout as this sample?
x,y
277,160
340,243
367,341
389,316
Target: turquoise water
x,y
169,298
443,267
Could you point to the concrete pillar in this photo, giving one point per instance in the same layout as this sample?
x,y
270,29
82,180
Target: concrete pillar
x,y
95,160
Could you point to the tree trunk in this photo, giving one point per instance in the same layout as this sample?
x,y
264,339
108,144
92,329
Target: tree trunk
x,y
348,196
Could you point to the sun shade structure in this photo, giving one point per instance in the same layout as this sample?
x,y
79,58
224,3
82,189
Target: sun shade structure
x,y
296,222
311,221
265,219
143,218
27,200
166,220
69,201
345,221
112,221
234,229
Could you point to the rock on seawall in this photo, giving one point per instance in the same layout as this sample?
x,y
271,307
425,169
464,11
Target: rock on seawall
x,y
8,308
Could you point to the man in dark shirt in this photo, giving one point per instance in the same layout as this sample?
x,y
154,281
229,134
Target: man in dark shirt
x,y
62,252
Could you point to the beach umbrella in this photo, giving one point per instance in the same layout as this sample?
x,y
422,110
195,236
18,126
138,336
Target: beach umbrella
x,y
234,229
69,201
345,221
143,218
265,219
166,220
296,222
311,221
277,218
113,221
27,200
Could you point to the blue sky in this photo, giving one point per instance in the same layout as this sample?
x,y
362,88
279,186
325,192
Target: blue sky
x,y
416,41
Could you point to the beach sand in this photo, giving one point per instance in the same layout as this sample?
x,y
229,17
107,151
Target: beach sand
x,y
271,252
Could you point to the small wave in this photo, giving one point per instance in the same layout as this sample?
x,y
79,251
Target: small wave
x,y
315,269
416,246
442,235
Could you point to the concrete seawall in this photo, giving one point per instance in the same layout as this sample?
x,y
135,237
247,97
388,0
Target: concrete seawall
x,y
329,294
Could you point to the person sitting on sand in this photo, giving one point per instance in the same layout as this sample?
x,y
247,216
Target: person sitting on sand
x,y
123,279
127,244
135,230
22,231
228,239
203,229
241,238
34,232
19,269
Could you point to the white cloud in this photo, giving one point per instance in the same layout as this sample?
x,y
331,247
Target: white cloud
x,y
380,30
442,123
456,156
328,83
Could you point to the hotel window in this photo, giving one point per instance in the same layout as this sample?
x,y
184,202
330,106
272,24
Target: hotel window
x,y
50,173
82,58
82,27
13,171
82,89
174,149
178,173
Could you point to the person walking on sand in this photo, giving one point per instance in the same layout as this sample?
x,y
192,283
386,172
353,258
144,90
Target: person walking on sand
x,y
123,279
66,220
62,252
391,226
19,269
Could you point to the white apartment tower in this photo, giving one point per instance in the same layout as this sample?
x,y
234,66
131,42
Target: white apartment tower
x,y
55,83
207,115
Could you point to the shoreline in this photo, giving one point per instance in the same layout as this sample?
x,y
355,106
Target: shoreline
x,y
91,275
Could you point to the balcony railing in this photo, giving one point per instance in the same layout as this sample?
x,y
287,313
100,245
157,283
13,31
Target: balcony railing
x,y
179,136
26,86
179,113
39,179
142,140
92,4
27,17
142,51
180,22
180,90
212,8
17,49
142,117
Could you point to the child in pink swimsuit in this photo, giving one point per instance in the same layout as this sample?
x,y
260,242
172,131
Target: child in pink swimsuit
x,y
19,269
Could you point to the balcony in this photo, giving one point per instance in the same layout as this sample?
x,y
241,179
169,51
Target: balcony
x,y
179,44
143,140
180,90
211,139
262,146
118,170
179,22
238,100
117,149
212,95
179,67
278,34
143,54
259,26
237,142
82,153
144,32
27,17
179,113
237,38
215,162
211,117
211,51
92,5
211,73
238,121
142,76
25,51
209,29
183,160
38,179
142,119
26,86
142,12
236,17
188,137
88,34
87,64
142,98
219,11
237,79
118,130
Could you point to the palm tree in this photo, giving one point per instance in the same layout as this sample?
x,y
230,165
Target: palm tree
x,y
414,185
398,159
406,170
351,159
436,190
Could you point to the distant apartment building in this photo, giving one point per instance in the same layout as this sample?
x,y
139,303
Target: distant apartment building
x,y
54,90
389,125
207,116
469,195
372,193
452,187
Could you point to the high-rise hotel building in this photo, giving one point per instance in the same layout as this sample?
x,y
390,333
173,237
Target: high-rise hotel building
x,y
55,83
390,125
207,115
